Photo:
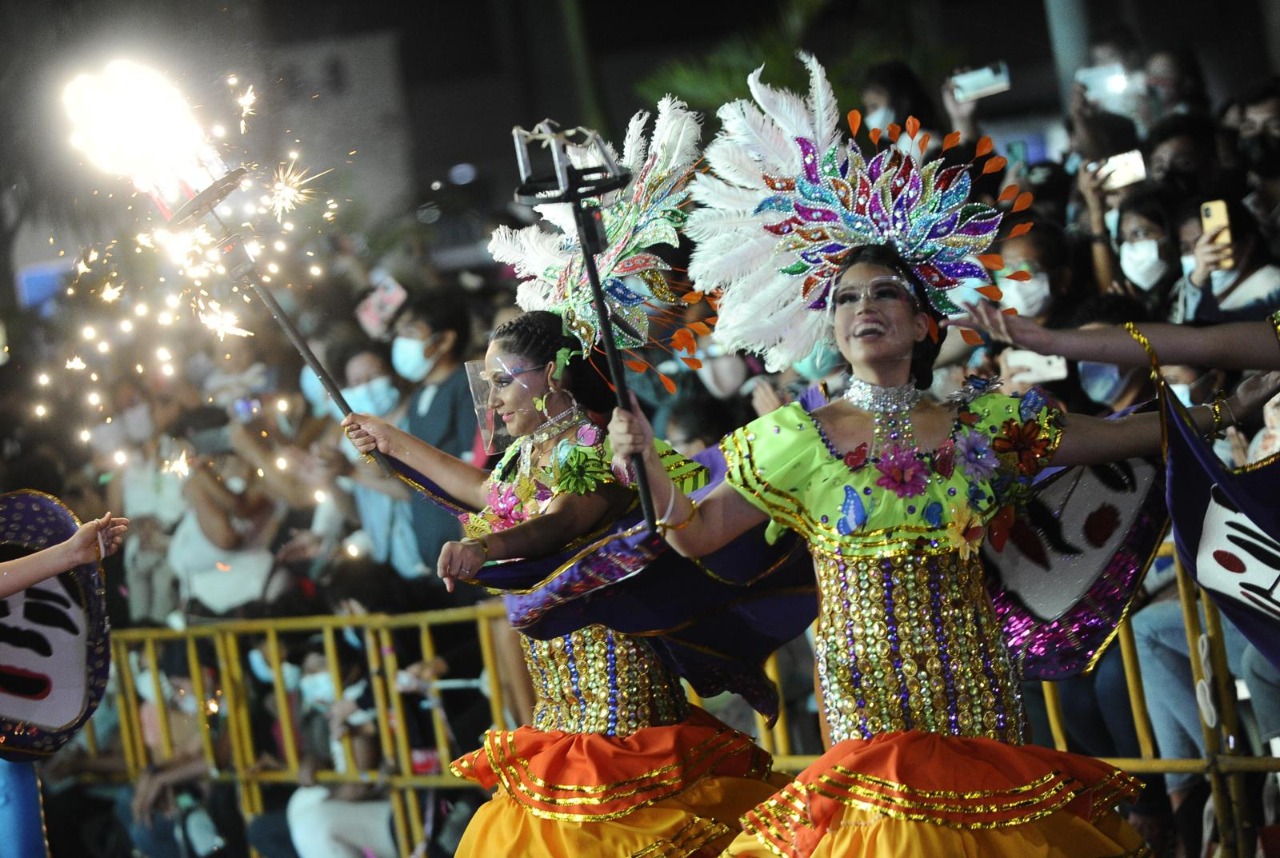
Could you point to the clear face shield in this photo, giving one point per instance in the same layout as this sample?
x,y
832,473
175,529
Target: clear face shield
x,y
485,385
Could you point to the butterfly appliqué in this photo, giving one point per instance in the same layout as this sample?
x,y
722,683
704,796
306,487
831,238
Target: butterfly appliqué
x,y
853,512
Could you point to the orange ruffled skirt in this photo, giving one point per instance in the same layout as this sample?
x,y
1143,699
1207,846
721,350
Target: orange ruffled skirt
x,y
662,791
914,793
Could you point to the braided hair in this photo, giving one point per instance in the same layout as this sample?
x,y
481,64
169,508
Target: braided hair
x,y
539,336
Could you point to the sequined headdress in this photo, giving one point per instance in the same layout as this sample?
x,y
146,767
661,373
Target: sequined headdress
x,y
645,213
789,197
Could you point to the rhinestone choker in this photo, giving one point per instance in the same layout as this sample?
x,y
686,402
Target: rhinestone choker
x,y
877,399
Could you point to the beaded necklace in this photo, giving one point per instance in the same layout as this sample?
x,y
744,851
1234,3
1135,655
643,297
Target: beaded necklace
x,y
890,408
552,427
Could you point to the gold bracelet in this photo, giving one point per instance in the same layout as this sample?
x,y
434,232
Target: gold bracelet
x,y
1219,422
1142,340
478,540
663,526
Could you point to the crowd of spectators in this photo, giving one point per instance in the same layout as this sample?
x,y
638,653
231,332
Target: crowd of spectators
x,y
275,515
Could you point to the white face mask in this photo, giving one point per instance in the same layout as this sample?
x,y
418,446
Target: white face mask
x,y
1028,297
1188,263
1141,263
878,118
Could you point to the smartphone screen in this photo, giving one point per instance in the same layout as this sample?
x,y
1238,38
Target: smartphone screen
x,y
1213,217
1120,171
979,83
1028,367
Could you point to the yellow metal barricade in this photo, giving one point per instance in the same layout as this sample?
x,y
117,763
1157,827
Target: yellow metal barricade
x,y
228,745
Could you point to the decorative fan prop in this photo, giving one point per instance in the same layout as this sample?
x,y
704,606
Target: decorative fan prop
x,y
1073,561
54,659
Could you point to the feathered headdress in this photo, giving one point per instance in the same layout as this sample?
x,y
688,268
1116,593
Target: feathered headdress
x,y
789,197
644,213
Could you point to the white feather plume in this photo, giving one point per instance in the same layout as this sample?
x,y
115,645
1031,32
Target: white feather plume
x,y
822,104
787,110
634,147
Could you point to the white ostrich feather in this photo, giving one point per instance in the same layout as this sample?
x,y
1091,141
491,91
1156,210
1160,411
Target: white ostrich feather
x,y
745,125
733,164
677,134
787,110
634,146
822,104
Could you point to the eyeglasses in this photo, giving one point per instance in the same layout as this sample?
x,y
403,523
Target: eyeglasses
x,y
501,380
882,290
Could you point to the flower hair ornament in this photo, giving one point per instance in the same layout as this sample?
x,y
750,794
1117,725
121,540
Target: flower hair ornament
x,y
789,197
646,212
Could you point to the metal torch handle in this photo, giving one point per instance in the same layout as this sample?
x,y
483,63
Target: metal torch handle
x,y
243,269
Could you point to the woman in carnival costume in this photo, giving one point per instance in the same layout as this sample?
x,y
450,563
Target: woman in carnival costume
x,y
616,761
895,495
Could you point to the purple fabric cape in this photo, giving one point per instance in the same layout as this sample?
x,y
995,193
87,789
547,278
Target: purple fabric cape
x,y
716,618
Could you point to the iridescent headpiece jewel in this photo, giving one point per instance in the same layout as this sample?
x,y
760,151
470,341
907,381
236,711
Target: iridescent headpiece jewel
x,y
644,213
789,198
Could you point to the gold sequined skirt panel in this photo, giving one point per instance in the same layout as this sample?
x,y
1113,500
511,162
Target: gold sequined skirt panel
x,y
596,680
911,642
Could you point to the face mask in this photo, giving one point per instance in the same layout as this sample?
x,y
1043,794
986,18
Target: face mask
x,y
1222,279
351,636
878,118
377,396
137,423
1027,297
1141,263
187,704
408,358
1188,262
316,689
262,670
1111,220
1181,392
1072,164
823,359
236,485
1102,382
313,391
1261,153
146,687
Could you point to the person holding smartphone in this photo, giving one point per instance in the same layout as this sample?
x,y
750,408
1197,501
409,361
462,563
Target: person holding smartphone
x,y
1223,281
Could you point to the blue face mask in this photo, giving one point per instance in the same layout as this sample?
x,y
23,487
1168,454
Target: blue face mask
x,y
823,359
261,670
1102,382
313,391
378,396
408,358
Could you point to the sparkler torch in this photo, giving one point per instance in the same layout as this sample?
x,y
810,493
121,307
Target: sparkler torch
x,y
574,185
132,122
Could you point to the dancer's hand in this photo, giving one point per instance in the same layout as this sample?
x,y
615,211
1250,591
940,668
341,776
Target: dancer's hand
x,y
1253,393
368,433
630,431
460,560
987,318
96,539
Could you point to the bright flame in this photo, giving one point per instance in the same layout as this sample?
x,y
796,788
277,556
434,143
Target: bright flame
x,y
111,293
130,121
221,322
246,102
289,189
179,466
76,363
